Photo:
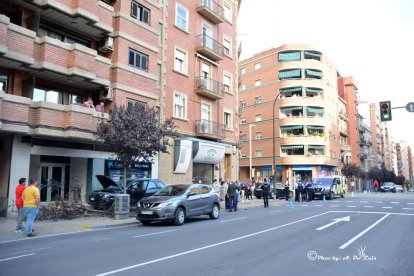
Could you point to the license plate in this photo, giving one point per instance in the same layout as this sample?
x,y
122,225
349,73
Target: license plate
x,y
317,193
147,212
92,199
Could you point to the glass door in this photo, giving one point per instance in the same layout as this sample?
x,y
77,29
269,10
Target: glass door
x,y
206,74
52,182
208,35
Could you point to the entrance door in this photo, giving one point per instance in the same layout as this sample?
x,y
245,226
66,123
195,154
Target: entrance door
x,y
206,75
208,35
206,126
227,166
52,181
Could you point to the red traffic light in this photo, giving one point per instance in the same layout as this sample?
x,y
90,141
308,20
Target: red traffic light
x,y
384,106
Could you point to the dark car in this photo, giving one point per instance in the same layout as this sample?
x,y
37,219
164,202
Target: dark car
x,y
136,188
177,202
281,192
258,190
329,187
388,187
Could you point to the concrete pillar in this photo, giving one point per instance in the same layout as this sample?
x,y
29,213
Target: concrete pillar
x,y
19,167
78,176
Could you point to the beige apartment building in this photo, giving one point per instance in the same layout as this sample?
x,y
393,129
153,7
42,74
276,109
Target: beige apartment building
x,y
301,84
58,57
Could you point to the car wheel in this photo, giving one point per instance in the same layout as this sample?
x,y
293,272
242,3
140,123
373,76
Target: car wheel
x,y
215,212
331,196
145,222
343,195
179,218
258,197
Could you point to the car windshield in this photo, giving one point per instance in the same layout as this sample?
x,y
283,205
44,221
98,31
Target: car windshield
x,y
323,181
173,190
388,184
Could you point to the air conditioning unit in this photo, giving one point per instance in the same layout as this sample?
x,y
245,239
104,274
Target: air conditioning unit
x,y
107,45
106,94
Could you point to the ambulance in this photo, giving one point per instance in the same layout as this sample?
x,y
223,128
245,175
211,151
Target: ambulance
x,y
329,186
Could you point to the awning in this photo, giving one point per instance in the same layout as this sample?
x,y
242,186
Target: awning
x,y
313,90
206,153
301,168
291,108
315,109
314,73
266,168
291,89
316,128
289,74
316,147
312,54
288,147
289,56
290,127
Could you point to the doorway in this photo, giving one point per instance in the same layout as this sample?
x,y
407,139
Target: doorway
x,y
54,182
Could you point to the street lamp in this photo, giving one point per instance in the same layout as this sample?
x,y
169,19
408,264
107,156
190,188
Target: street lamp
x,y
250,150
274,140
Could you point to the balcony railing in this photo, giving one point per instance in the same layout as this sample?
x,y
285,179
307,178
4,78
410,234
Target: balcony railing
x,y
209,47
209,88
211,10
210,129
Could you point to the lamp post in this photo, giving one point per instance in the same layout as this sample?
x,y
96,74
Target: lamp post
x,y
274,139
250,151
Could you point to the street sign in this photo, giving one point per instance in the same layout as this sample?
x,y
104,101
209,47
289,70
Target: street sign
x,y
410,107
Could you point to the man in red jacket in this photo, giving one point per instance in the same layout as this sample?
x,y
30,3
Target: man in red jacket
x,y
19,204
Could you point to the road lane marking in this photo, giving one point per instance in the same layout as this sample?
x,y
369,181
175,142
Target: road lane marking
x,y
410,203
373,212
345,245
233,219
379,202
335,221
394,202
243,238
274,212
386,207
304,205
318,205
337,201
370,206
351,206
350,201
152,234
407,208
364,201
21,256
334,205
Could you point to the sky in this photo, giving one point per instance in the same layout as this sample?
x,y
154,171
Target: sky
x,y
370,40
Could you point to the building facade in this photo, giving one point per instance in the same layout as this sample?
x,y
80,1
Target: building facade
x,y
375,134
58,58
301,85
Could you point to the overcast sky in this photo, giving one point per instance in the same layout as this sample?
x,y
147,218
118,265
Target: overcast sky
x,y
371,40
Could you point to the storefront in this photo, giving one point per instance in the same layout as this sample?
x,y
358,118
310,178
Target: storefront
x,y
302,173
115,170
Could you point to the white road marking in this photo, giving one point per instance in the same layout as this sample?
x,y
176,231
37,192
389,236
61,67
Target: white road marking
x,y
369,206
350,201
335,221
386,207
364,201
209,246
410,203
374,212
233,219
318,205
304,205
345,245
274,212
351,206
152,234
334,205
394,202
407,208
21,256
337,201
379,202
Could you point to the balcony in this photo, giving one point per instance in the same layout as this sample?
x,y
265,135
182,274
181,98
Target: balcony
x,y
209,88
344,132
210,129
343,115
22,115
211,10
346,148
209,47
308,160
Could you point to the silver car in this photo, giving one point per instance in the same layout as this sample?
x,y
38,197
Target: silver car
x,y
175,203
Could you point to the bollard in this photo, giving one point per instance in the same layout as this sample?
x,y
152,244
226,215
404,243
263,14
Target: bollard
x,y
324,199
291,205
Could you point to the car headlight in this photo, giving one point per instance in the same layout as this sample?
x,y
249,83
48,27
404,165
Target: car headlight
x,y
105,196
166,204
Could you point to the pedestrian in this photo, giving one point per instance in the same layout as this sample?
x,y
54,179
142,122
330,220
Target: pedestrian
x,y
19,204
287,189
265,192
300,191
352,185
31,204
376,185
236,196
226,197
309,191
231,192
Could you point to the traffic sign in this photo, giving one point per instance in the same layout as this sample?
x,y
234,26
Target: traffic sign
x,y
410,107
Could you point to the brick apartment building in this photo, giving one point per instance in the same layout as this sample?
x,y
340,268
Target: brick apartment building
x,y
307,117
57,55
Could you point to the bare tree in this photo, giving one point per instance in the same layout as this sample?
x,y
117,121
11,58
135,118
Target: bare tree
x,y
135,132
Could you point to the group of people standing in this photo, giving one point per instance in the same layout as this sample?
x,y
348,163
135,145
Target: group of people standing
x,y
27,203
303,191
232,191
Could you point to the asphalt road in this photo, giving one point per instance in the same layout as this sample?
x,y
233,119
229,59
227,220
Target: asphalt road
x,y
372,236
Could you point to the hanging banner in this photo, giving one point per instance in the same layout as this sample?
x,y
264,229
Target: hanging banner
x,y
182,151
208,153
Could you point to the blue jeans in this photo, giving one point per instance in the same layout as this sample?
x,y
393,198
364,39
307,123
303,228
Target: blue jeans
x,y
232,203
20,217
236,200
31,213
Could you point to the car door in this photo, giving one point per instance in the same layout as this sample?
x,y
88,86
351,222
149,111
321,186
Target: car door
x,y
193,205
137,190
207,200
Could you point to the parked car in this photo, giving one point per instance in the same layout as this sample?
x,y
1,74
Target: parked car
x,y
136,188
329,187
281,192
399,188
177,202
257,191
388,187
411,190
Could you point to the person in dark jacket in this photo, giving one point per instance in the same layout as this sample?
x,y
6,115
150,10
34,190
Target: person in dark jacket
x,y
231,192
265,192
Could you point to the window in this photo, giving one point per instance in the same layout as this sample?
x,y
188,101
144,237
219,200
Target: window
x,y
257,66
257,83
181,17
289,56
242,103
258,99
259,135
227,12
194,190
243,121
58,97
205,189
227,46
290,74
243,155
134,102
180,104
259,153
313,74
62,34
227,82
242,87
242,71
140,12
159,74
227,120
258,117
292,150
138,60
180,61
3,83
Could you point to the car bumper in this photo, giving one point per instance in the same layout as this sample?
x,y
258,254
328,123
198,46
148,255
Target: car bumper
x,y
321,193
156,214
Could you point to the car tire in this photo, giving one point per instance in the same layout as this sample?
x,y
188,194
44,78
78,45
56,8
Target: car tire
x,y
331,196
258,197
179,217
215,212
343,195
145,222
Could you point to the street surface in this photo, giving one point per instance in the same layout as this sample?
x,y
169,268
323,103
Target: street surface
x,y
370,235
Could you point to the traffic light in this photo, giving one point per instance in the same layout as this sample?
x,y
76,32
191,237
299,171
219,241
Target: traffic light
x,y
385,111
